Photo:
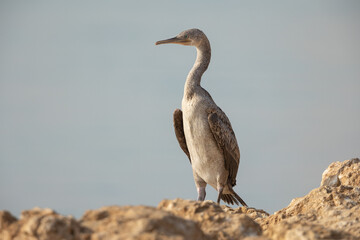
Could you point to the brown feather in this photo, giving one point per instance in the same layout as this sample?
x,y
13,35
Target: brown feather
x,y
179,131
225,137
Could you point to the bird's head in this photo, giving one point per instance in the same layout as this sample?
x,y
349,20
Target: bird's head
x,y
190,37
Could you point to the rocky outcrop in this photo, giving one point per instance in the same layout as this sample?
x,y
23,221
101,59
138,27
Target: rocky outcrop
x,y
137,222
331,211
212,219
38,224
345,173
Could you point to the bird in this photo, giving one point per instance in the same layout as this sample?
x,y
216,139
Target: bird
x,y
203,130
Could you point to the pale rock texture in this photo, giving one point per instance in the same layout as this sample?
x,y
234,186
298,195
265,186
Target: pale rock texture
x,y
253,213
40,224
137,222
342,173
331,211
212,219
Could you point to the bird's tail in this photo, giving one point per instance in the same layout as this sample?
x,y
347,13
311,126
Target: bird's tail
x,y
232,198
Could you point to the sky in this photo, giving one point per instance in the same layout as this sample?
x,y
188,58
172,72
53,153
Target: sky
x,y
86,98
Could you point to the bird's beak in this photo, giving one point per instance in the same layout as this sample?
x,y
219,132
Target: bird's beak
x,y
174,40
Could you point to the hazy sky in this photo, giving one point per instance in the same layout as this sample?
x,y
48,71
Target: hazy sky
x,y
86,98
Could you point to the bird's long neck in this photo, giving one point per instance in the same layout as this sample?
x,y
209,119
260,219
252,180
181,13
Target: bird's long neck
x,y
201,64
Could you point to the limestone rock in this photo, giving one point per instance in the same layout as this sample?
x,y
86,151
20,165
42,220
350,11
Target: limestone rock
x,y
253,213
138,222
6,219
325,213
304,228
212,219
342,173
331,211
41,224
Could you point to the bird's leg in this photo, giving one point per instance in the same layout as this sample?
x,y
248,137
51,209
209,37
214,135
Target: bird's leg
x,y
200,186
201,193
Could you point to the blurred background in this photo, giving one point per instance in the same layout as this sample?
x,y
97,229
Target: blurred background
x,y
86,98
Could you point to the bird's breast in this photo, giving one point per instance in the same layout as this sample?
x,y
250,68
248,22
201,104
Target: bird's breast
x,y
206,158
195,118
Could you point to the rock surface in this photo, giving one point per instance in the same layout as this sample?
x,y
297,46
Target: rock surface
x,y
331,211
212,219
342,173
38,224
137,222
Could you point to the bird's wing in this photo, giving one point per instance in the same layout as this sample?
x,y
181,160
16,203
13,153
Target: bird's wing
x,y
179,131
225,137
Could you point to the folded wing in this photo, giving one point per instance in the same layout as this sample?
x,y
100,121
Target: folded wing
x,y
179,131
225,137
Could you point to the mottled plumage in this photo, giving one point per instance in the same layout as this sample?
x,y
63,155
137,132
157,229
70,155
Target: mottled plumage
x,y
203,130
